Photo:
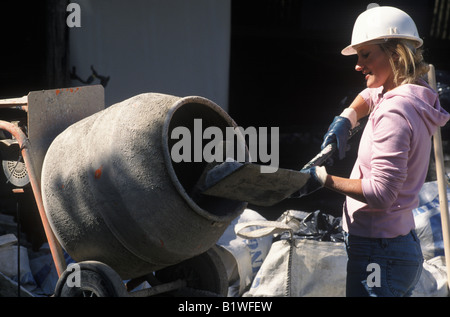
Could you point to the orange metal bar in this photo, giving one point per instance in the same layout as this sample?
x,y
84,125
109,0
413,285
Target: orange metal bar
x,y
55,247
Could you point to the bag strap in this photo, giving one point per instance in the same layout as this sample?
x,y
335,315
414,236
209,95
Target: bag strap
x,y
265,228
262,229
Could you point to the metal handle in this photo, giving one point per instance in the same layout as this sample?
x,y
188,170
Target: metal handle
x,y
328,151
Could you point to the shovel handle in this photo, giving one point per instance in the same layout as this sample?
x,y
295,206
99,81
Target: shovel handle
x,y
328,151
320,158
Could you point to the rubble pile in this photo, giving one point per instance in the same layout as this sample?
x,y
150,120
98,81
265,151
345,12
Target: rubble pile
x,y
37,274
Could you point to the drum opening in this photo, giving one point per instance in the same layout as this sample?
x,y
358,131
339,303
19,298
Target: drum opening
x,y
195,136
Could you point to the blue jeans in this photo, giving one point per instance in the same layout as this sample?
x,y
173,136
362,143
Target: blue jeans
x,y
383,267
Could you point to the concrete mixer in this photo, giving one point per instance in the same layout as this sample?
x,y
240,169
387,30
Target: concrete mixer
x,y
110,194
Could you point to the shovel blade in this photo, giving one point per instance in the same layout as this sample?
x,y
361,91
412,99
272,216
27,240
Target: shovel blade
x,y
245,182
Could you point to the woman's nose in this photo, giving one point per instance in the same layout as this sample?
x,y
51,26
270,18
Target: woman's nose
x,y
358,68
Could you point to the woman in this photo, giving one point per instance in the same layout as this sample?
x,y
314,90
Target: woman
x,y
384,255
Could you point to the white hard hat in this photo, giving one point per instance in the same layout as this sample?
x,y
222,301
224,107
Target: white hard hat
x,y
379,24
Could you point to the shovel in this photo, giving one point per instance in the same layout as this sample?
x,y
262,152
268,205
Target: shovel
x,y
245,182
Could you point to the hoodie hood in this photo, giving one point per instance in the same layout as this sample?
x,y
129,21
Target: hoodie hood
x,y
425,101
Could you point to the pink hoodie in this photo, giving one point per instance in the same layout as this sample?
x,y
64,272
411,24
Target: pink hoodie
x,y
393,159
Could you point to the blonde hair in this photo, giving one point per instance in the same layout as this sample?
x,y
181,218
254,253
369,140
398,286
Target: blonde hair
x,y
406,61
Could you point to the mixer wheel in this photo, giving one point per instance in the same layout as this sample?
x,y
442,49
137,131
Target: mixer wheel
x,y
90,279
204,274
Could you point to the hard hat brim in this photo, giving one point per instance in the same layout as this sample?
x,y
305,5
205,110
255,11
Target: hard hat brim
x,y
352,48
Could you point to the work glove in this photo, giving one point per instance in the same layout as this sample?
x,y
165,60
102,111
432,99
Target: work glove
x,y
317,178
338,132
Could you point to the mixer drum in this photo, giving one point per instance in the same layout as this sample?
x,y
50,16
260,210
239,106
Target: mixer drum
x,y
113,194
